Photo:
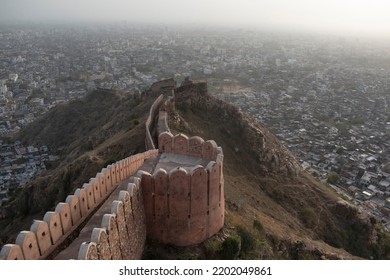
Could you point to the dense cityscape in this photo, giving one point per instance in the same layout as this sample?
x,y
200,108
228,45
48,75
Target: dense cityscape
x,y
326,98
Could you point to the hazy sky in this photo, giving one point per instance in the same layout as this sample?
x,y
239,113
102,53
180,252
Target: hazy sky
x,y
352,16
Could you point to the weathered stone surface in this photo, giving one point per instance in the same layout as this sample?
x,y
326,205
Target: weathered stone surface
x,y
199,200
195,144
209,150
121,170
63,210
11,252
112,169
90,196
54,221
118,209
102,184
29,245
124,196
161,182
42,233
132,232
147,185
138,214
180,144
179,206
96,189
165,142
214,198
107,176
74,205
83,203
100,237
117,172
109,223
88,251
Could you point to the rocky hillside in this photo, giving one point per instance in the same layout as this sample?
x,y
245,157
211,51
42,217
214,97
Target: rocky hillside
x,y
87,134
274,210
272,205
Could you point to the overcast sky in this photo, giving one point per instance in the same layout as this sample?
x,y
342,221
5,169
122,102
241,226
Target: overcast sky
x,y
351,16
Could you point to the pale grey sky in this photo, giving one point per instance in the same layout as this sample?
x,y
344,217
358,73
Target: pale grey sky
x,y
352,16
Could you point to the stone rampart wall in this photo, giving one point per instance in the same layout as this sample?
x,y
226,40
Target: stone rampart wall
x,y
162,124
194,146
191,91
44,236
122,233
153,112
164,86
184,208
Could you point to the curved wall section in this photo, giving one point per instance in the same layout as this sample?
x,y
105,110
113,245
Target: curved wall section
x,y
183,208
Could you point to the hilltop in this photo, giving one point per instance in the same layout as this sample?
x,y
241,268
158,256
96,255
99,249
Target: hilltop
x,y
274,210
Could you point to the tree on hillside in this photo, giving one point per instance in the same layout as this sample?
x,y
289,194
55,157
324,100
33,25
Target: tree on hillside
x,y
333,178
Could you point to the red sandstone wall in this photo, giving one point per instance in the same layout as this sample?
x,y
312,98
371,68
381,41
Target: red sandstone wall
x,y
46,235
184,208
194,146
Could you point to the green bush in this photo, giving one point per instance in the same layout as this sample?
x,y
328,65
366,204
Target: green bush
x,y
333,178
230,248
257,225
248,241
308,217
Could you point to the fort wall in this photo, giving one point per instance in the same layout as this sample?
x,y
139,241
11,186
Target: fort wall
x,y
163,86
153,112
46,235
184,207
122,233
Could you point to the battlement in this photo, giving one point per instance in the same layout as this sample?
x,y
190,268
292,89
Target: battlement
x,y
184,203
46,235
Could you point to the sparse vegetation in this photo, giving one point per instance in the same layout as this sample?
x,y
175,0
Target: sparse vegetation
x,y
212,247
87,134
308,217
333,178
257,225
230,248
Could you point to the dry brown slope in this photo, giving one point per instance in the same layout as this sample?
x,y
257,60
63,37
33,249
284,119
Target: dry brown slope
x,y
88,134
302,218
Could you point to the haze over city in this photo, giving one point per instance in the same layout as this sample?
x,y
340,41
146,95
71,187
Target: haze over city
x,y
346,17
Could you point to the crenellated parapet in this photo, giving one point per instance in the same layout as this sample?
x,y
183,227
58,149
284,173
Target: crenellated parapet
x,y
184,207
46,235
122,232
